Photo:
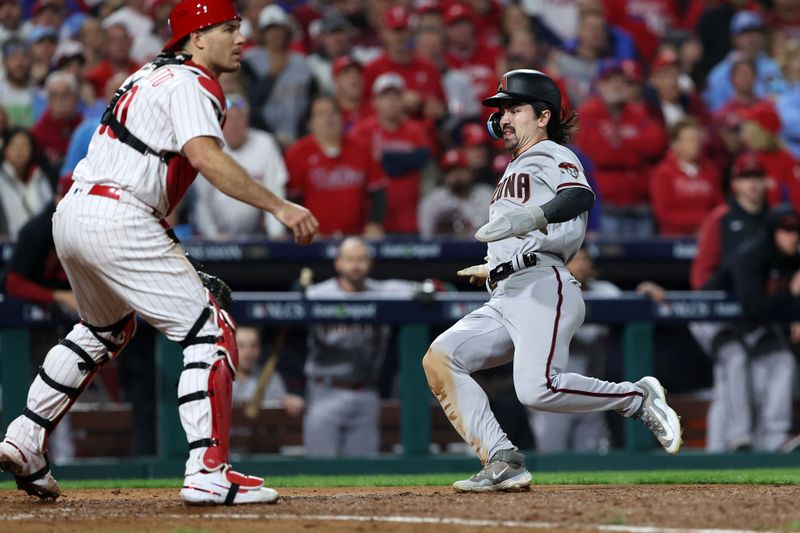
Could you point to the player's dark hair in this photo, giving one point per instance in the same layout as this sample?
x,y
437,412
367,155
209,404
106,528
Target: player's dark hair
x,y
560,130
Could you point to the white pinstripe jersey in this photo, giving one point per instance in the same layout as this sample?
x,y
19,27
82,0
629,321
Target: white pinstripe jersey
x,y
534,177
165,108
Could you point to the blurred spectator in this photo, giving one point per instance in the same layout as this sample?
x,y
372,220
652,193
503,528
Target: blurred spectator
x,y
747,33
43,41
488,18
645,21
335,175
686,185
461,96
476,146
91,38
560,18
765,276
34,273
665,98
759,133
117,49
282,84
60,118
623,141
248,341
743,82
47,14
348,82
79,141
457,208
24,188
423,95
139,23
584,432
714,23
10,20
466,51
344,362
217,215
784,18
740,218
16,87
335,41
596,40
402,147
788,108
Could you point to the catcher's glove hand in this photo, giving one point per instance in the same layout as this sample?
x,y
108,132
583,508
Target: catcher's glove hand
x,y
220,290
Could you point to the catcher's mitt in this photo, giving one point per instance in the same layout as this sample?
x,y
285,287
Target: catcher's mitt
x,y
220,290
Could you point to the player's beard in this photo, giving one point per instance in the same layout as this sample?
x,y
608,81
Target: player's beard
x,y
511,142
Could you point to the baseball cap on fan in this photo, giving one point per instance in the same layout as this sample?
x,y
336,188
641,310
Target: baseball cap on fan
x,y
386,82
396,18
763,114
746,21
748,165
473,134
344,62
458,12
452,159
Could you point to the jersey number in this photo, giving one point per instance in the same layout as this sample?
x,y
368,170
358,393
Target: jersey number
x,y
121,111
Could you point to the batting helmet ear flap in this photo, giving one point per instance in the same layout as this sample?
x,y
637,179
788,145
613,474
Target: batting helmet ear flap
x,y
493,126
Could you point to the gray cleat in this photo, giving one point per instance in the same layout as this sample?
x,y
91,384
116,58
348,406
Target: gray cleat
x,y
659,417
504,471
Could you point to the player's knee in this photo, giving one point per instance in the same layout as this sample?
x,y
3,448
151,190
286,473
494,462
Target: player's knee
x,y
534,396
436,363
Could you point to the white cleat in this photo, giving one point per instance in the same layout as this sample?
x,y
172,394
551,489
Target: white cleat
x,y
659,417
31,471
225,487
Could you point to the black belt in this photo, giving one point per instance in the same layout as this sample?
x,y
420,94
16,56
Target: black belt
x,y
503,270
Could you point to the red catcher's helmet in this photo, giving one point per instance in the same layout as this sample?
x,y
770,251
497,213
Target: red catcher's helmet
x,y
193,15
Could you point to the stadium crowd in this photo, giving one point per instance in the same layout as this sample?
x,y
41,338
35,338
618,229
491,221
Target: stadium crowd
x,y
338,99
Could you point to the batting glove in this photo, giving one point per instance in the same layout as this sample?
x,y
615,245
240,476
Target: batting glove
x,y
514,224
477,274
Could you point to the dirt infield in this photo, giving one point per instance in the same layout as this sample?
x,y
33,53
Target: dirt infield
x,y
415,510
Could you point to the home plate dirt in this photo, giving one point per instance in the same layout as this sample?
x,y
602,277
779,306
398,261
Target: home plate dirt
x,y
626,508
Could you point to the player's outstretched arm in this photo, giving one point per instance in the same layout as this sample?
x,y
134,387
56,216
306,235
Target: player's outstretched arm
x,y
567,204
228,176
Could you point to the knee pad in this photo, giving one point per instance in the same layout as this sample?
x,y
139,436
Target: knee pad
x,y
220,329
116,336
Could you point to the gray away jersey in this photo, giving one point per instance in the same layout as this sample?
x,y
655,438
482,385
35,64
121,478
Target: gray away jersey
x,y
351,352
534,177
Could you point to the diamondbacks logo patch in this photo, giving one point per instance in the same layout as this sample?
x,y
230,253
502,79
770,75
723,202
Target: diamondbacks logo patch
x,y
502,85
569,168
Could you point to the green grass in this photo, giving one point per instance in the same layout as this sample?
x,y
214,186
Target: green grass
x,y
788,476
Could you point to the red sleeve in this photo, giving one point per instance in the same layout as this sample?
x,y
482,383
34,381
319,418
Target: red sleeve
x,y
661,194
709,248
24,289
296,164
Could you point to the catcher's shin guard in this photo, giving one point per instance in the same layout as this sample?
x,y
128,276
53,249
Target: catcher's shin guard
x,y
205,388
67,370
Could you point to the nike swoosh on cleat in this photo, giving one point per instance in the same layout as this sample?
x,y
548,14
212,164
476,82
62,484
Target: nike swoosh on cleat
x,y
496,475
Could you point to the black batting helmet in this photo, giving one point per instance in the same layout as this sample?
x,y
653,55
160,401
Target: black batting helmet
x,y
527,85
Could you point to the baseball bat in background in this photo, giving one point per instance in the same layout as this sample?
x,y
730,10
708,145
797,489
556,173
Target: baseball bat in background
x,y
254,404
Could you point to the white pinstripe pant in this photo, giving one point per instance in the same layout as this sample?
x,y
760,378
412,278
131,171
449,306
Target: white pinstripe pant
x,y
119,259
